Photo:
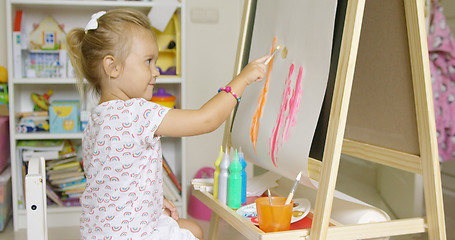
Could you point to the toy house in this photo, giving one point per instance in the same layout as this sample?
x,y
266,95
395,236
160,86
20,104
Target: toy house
x,y
47,35
46,56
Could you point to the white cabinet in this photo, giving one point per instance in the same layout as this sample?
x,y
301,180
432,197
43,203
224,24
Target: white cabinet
x,y
76,14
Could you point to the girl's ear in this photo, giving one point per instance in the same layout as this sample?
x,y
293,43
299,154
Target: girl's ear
x,y
111,68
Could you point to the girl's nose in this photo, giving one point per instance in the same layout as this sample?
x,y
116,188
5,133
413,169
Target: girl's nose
x,y
156,72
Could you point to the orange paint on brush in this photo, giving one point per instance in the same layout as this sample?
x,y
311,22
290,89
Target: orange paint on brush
x,y
254,130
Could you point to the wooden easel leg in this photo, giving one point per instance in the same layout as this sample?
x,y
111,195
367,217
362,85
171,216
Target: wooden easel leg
x,y
418,47
214,222
338,117
433,202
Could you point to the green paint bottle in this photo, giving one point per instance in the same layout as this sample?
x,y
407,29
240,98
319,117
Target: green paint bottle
x,y
234,183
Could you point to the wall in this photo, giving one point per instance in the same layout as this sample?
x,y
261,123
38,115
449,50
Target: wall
x,y
211,49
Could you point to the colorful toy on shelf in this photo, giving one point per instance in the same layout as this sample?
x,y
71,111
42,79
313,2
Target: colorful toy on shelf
x,y
170,71
46,56
64,117
33,124
171,45
4,99
163,98
169,48
3,75
37,121
41,101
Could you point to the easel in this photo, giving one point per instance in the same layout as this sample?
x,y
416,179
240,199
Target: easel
x,y
422,161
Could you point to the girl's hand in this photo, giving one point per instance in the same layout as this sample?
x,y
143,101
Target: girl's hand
x,y
170,209
254,71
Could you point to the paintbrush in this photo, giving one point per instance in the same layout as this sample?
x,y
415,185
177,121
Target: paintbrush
x,y
291,194
277,49
270,197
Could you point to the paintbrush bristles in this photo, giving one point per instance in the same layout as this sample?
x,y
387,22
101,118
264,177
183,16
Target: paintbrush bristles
x,y
296,183
273,54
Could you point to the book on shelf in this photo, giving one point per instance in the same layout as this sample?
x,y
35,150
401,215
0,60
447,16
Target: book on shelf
x,y
58,163
65,175
50,150
171,174
72,187
63,168
73,201
41,145
66,165
170,191
75,190
70,169
32,114
29,154
67,178
52,195
167,193
21,170
66,185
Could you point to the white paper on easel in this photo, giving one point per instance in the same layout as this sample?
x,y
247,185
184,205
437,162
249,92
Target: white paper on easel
x,y
309,47
161,13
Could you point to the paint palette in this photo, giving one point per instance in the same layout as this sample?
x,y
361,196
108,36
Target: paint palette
x,y
301,209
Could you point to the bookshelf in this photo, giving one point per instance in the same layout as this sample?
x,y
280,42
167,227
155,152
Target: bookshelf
x,y
74,13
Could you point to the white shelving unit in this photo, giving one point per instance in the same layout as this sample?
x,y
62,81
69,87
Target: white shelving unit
x,y
73,13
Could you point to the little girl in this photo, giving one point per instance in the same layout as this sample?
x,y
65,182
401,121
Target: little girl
x,y
123,199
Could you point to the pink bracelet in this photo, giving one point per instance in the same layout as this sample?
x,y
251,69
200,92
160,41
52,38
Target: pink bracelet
x,y
229,90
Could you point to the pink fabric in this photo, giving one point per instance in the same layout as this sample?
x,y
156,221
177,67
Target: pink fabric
x,y
441,46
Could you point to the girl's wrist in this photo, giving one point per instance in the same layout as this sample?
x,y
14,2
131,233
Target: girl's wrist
x,y
228,89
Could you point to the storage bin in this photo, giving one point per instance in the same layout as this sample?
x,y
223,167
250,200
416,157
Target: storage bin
x,y
5,198
4,142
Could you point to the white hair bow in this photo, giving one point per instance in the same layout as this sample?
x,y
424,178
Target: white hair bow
x,y
93,23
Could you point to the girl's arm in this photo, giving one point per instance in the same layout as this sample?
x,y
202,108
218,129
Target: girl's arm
x,y
180,122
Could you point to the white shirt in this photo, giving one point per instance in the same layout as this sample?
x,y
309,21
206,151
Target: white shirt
x,y
123,165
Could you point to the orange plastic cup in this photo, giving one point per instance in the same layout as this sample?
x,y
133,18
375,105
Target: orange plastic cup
x,y
275,217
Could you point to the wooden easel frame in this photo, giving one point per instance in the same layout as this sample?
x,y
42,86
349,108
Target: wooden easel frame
x,y
426,163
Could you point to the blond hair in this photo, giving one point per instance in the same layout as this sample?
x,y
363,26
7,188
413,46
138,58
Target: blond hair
x,y
87,49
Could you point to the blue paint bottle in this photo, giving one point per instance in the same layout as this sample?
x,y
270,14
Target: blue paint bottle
x,y
243,174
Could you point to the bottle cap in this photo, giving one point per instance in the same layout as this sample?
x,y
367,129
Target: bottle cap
x,y
162,96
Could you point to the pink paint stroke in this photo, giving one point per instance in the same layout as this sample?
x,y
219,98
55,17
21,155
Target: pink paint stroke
x,y
294,104
287,116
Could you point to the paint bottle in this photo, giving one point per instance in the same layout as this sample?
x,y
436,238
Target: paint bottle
x,y
234,183
243,174
217,172
223,177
